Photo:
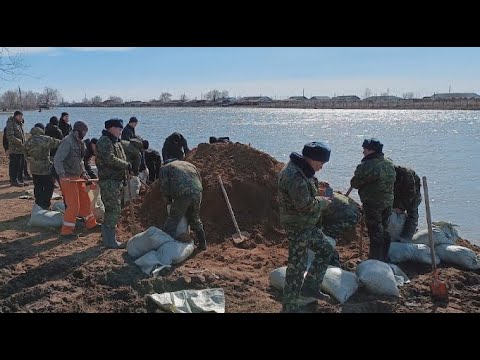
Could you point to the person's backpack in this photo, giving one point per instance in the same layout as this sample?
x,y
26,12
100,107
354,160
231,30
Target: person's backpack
x,y
5,140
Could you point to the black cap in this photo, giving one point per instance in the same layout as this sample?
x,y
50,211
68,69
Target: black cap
x,y
18,112
317,151
145,144
373,144
54,120
133,119
40,125
115,122
64,114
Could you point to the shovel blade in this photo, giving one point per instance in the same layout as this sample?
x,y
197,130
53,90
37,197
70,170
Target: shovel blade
x,y
439,289
238,239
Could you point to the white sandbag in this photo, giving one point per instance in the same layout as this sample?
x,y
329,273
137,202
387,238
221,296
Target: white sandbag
x,y
443,233
182,226
148,240
377,277
419,253
339,283
96,203
149,262
458,255
143,176
395,225
135,188
277,278
400,274
58,206
175,252
191,301
45,218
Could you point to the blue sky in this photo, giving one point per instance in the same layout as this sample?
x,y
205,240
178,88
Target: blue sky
x,y
144,73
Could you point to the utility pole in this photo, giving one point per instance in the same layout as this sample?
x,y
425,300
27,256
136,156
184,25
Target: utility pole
x,y
449,88
20,93
303,92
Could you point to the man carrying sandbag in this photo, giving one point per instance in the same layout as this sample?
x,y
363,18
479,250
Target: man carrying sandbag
x,y
181,183
69,166
300,210
374,178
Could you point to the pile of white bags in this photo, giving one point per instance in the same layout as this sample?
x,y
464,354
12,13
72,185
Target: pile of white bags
x,y
443,233
419,253
45,218
377,277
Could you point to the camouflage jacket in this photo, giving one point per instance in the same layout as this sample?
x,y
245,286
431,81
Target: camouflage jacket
x,y
133,154
300,204
37,151
68,159
179,178
407,189
15,136
374,178
111,160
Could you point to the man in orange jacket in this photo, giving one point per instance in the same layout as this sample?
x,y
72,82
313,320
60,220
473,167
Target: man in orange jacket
x,y
69,166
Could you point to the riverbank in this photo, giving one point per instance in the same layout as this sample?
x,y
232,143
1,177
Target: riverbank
x,y
41,273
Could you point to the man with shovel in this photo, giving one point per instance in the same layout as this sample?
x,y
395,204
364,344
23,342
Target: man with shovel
x,y
181,183
300,209
68,162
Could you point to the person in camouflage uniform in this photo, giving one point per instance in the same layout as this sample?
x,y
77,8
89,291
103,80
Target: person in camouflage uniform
x,y
374,178
300,210
181,183
16,139
407,197
112,168
133,151
37,151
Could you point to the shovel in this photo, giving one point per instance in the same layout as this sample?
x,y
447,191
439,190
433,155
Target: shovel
x,y
240,236
438,288
349,191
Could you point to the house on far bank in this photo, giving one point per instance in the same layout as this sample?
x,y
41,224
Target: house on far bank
x,y
449,96
297,98
346,98
256,98
382,98
320,98
135,103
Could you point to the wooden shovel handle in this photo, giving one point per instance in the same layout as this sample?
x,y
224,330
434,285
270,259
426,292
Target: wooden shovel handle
x,y
348,191
229,206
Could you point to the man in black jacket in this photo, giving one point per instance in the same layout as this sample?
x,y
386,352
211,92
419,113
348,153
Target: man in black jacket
x,y
64,125
172,147
91,146
153,161
129,130
53,131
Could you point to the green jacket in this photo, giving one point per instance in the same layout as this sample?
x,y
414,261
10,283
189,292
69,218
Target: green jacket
x,y
15,136
133,154
374,178
300,204
179,178
407,189
111,160
37,151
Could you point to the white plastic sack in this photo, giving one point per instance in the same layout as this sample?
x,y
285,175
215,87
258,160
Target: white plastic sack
x,y
45,218
339,283
182,226
143,176
58,206
395,225
149,262
174,252
377,277
191,301
96,203
443,233
148,240
135,188
399,275
419,253
458,255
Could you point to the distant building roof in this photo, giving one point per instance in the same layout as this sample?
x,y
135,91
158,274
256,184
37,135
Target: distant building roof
x,y
297,98
256,98
320,98
383,98
455,96
346,98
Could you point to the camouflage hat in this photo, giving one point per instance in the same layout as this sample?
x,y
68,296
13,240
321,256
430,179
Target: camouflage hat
x,y
138,142
373,144
80,126
317,151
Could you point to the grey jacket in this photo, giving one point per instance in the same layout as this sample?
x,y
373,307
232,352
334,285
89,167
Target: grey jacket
x,y
68,160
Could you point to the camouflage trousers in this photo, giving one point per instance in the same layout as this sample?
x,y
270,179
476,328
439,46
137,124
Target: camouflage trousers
x,y
111,191
299,243
376,221
411,222
188,205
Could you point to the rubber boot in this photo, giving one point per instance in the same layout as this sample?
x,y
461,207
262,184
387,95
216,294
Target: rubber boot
x,y
109,240
201,242
408,229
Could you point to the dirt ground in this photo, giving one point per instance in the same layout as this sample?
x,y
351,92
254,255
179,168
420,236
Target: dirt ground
x,y
41,273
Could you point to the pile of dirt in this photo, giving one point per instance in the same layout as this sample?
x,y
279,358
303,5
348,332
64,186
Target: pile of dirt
x,y
250,179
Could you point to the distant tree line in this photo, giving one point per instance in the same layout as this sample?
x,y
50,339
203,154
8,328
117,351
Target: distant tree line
x,y
19,99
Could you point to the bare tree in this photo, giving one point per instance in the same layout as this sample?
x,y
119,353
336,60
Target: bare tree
x,y
10,99
367,93
165,96
224,94
30,100
212,95
11,65
96,100
408,95
116,99
49,96
183,97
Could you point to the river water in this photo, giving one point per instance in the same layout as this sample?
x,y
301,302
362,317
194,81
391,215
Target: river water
x,y
442,145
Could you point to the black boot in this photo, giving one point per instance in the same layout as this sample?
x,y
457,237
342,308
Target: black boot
x,y
201,243
409,229
109,240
